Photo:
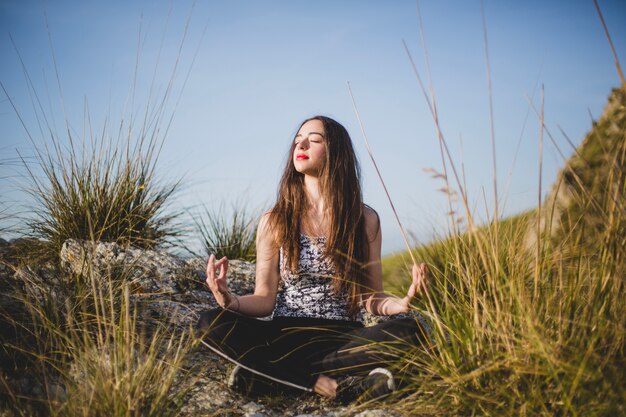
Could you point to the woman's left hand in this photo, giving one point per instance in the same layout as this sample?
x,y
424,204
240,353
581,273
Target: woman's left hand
x,y
419,286
420,281
382,304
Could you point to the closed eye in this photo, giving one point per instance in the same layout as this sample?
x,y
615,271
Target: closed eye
x,y
312,137
316,137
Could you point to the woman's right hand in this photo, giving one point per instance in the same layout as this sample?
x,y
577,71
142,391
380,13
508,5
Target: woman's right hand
x,y
216,281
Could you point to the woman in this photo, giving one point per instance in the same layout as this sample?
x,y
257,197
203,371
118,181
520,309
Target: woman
x,y
318,264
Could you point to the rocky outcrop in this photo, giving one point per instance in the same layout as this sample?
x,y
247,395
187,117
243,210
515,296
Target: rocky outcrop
x,y
166,290
170,289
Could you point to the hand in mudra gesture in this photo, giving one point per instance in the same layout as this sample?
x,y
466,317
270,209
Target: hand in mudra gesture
x,y
419,284
216,281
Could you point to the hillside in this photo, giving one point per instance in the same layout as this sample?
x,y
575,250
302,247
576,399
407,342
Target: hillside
x,y
531,311
586,202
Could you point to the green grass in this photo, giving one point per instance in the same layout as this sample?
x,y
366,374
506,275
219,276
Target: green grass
x,y
103,191
233,236
533,322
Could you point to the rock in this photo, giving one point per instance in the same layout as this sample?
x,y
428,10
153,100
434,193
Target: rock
x,y
376,413
165,290
168,288
148,271
253,409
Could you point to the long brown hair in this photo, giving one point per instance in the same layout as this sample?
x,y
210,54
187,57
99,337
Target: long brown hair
x,y
340,187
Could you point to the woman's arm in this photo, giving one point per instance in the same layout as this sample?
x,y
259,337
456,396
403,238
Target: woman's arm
x,y
376,301
262,301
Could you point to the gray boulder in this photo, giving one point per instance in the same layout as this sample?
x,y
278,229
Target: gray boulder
x,y
169,289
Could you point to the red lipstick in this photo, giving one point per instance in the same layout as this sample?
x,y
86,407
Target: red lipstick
x,y
301,156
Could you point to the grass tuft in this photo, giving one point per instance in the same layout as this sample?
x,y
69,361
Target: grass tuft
x,y
106,192
232,236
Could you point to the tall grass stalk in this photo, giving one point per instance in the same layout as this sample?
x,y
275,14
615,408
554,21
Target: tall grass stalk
x,y
404,235
433,106
610,41
539,195
380,177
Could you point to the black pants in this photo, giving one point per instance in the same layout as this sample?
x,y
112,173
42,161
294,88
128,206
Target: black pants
x,y
298,350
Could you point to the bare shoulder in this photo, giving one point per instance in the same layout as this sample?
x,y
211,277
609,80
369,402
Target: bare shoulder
x,y
264,220
372,222
264,229
370,214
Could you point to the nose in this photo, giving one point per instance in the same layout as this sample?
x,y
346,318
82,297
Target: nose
x,y
303,144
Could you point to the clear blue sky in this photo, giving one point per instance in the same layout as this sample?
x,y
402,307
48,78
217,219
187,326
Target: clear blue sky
x,y
262,66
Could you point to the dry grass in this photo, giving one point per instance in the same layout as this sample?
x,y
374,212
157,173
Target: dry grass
x,y
539,329
81,344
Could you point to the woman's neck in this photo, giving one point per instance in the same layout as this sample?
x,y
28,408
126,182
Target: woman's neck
x,y
313,193
314,219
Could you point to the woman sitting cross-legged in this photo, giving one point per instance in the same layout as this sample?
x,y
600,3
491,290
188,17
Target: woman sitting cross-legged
x,y
318,264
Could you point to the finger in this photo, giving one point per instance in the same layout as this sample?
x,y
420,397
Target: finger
x,y
222,261
210,282
220,268
210,266
417,274
218,275
210,272
224,265
425,274
419,279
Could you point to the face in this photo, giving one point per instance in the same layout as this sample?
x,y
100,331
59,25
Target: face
x,y
309,153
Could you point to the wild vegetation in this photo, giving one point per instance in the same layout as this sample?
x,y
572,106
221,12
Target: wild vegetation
x,y
77,335
72,343
530,312
79,340
107,191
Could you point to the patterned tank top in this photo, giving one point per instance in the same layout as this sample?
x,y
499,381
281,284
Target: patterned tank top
x,y
309,293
